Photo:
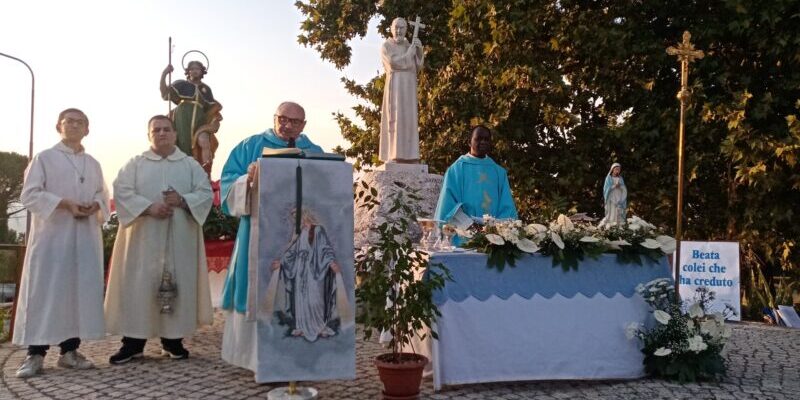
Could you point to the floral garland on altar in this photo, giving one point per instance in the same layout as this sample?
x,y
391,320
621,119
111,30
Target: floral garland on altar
x,y
567,242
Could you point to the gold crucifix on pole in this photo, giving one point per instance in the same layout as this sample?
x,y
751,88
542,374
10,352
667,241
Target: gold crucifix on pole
x,y
686,53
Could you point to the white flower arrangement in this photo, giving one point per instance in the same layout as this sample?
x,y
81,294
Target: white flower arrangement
x,y
567,242
682,345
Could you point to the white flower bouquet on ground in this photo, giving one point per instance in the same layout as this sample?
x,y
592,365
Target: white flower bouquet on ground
x,y
684,346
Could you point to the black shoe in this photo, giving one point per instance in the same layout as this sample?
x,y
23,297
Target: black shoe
x,y
124,355
177,353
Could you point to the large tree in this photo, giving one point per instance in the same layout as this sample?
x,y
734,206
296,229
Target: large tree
x,y
12,168
570,86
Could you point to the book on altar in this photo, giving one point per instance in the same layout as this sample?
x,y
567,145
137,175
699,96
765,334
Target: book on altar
x,y
294,152
288,151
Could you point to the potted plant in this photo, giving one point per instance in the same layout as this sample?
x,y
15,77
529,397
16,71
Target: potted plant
x,y
395,290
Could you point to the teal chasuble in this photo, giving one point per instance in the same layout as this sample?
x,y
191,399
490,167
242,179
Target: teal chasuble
x,y
478,186
234,294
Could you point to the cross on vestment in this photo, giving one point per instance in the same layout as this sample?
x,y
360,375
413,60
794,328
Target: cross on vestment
x,y
417,24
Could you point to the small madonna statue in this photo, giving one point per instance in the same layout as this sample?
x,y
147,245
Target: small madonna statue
x,y
615,195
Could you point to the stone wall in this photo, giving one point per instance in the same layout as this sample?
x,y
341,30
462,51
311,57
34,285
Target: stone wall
x,y
427,185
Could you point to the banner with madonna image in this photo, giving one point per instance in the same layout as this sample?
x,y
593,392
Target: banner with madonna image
x,y
302,291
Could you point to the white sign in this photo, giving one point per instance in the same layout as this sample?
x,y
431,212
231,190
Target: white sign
x,y
715,266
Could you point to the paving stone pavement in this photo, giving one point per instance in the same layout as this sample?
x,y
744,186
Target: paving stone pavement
x,y
762,364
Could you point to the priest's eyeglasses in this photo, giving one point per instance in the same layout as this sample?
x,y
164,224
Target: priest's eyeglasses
x,y
285,120
73,121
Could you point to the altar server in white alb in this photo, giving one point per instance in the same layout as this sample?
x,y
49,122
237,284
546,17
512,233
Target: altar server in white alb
x,y
61,291
158,284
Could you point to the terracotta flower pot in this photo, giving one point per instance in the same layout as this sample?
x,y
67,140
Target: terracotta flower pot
x,y
401,379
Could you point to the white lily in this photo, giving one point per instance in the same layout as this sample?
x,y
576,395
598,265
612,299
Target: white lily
x,y
495,239
509,234
710,327
662,317
696,311
465,233
557,240
726,331
527,246
651,244
565,223
617,244
696,344
662,351
632,330
533,229
640,289
668,243
589,239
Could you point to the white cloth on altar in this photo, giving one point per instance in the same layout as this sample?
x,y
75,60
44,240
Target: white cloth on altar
x,y
145,243
61,289
522,339
399,137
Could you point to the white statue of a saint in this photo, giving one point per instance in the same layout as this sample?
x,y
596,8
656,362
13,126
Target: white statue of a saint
x,y
399,140
615,195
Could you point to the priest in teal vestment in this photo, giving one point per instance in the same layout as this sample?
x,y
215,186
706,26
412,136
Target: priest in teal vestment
x,y
289,123
475,184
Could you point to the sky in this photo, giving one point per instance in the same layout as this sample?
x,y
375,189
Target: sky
x,y
106,58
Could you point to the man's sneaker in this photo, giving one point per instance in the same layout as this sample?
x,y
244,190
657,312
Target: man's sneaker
x,y
31,366
179,353
75,360
124,355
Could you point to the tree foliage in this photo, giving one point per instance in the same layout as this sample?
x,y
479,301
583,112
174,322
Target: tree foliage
x,y
12,170
571,86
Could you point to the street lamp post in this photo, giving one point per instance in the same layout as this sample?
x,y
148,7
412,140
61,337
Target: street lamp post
x,y
30,138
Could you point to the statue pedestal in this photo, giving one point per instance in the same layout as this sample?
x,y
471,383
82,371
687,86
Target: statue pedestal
x,y
414,176
405,168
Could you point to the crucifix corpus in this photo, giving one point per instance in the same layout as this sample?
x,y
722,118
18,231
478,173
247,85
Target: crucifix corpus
x,y
686,53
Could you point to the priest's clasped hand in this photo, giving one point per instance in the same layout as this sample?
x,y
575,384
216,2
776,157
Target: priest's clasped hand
x,y
78,210
90,209
159,210
173,199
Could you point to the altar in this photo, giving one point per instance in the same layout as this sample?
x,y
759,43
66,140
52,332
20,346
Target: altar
x,y
537,322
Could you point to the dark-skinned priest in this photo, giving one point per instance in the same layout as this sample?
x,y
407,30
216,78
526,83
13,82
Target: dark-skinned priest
x,y
475,186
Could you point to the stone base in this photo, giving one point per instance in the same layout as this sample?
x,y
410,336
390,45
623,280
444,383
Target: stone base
x,y
405,168
301,393
427,185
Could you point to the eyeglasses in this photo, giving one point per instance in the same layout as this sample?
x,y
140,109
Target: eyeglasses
x,y
79,122
285,120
